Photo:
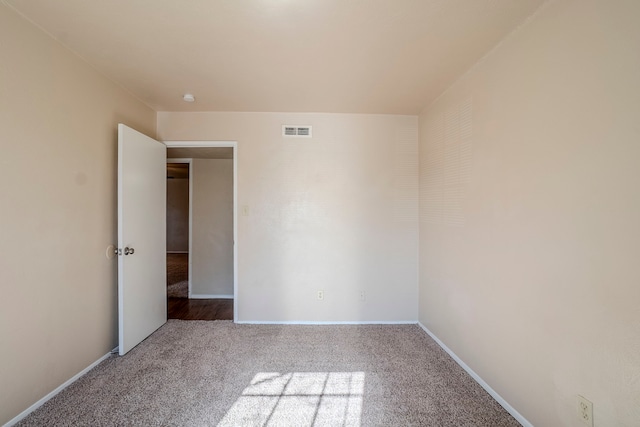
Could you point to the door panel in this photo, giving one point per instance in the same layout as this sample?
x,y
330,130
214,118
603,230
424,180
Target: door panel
x,y
142,295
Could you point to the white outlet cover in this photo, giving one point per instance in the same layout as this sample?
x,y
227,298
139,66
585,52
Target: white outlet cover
x,y
585,410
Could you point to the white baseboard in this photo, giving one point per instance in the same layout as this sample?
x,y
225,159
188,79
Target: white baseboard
x,y
61,387
312,322
213,296
510,409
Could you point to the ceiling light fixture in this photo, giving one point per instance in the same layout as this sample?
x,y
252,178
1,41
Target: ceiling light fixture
x,y
187,97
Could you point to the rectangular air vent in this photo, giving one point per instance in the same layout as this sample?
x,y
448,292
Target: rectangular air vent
x,y
296,130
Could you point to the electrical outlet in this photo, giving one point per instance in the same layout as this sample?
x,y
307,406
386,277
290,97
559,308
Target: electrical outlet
x,y
363,296
321,295
585,411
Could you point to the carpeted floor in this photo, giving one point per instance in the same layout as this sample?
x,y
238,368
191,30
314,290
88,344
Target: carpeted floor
x,y
178,275
195,373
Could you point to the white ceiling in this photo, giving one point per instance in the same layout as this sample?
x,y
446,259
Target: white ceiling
x,y
341,56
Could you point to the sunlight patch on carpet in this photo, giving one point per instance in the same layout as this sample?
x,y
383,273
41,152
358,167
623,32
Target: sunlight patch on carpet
x,y
300,399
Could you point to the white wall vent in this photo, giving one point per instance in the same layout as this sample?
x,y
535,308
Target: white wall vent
x,y
297,131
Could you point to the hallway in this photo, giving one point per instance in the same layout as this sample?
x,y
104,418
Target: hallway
x,y
179,306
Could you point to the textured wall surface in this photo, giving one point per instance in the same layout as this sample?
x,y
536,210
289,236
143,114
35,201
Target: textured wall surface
x,y
337,212
178,215
58,212
212,247
529,215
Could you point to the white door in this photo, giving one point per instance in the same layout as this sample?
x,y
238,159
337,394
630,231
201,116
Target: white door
x,y
142,294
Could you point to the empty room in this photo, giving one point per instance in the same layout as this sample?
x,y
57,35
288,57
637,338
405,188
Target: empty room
x,y
430,212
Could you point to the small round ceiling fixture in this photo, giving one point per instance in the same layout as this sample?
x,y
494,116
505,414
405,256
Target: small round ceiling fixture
x,y
187,97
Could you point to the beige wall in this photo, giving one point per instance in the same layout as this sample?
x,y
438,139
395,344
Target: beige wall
x,y
530,215
212,251
337,213
58,119
178,215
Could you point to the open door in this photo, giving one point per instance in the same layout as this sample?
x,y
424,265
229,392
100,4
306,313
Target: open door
x,y
142,303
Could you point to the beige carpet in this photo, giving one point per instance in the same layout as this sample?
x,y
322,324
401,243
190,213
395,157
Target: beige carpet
x,y
178,275
196,373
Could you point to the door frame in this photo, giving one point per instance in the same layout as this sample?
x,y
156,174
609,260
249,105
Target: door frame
x,y
234,146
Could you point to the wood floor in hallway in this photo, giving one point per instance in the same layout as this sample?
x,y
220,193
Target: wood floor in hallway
x,y
199,309
179,306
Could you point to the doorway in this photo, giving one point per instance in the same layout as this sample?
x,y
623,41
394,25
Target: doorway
x,y
201,231
178,219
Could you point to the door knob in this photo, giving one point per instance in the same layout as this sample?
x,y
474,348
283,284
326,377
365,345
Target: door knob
x,y
129,251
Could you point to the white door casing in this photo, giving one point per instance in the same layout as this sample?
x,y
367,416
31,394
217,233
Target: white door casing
x,y
142,295
234,146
